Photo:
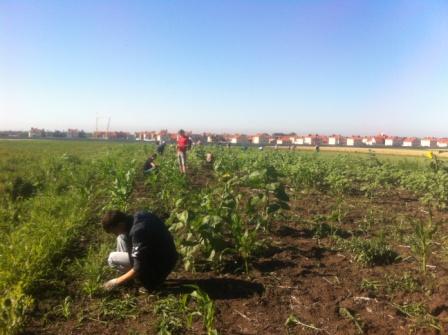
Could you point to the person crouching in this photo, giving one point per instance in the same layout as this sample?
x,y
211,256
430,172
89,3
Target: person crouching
x,y
145,248
149,164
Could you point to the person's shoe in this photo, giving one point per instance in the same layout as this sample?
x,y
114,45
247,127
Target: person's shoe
x,y
143,290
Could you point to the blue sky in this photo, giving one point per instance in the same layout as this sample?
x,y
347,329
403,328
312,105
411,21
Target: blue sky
x,y
306,66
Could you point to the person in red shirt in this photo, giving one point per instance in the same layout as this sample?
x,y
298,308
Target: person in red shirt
x,y
182,146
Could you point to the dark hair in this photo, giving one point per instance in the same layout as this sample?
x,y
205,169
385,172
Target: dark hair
x,y
181,132
113,218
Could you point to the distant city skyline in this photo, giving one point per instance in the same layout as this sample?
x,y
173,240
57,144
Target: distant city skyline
x,y
325,67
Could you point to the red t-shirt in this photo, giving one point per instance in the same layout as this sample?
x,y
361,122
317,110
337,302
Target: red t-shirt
x,y
182,143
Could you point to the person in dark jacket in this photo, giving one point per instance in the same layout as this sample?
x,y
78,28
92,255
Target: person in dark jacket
x,y
161,147
145,248
149,164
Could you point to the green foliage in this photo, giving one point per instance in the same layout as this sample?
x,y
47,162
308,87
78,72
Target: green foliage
x,y
176,315
117,308
45,226
368,252
93,269
418,313
423,240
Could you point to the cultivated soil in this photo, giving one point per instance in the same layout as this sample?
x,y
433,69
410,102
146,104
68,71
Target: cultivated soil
x,y
297,275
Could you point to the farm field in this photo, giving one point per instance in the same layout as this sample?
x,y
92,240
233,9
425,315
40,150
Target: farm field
x,y
271,242
394,152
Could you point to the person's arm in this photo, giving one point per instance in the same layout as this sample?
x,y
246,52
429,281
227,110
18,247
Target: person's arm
x,y
120,280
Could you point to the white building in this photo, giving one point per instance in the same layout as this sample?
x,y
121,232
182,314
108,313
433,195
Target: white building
x,y
410,142
283,140
354,141
36,132
239,139
260,139
442,143
393,141
428,142
335,140
312,140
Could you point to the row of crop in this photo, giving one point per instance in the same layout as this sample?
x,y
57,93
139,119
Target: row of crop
x,y
225,219
74,190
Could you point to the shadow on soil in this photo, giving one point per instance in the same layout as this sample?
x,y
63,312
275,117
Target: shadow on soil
x,y
216,288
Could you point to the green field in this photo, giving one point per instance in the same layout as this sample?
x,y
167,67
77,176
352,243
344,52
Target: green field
x,y
265,225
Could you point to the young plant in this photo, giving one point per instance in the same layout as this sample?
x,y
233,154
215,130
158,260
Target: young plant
x,y
344,312
368,252
422,240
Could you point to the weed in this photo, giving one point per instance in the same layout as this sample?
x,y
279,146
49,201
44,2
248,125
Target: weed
x,y
117,308
344,312
422,240
368,252
418,313
176,315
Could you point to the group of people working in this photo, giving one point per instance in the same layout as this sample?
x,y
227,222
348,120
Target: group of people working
x,y
183,144
145,247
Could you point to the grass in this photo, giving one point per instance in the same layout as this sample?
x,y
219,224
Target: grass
x,y
418,313
368,252
177,314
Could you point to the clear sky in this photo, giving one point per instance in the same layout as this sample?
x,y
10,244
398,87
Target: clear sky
x,y
345,67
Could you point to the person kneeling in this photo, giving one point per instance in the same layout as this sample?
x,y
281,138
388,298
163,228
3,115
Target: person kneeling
x,y
145,248
149,164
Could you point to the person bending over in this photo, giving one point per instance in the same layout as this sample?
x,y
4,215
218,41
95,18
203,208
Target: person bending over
x,y
145,248
149,164
161,147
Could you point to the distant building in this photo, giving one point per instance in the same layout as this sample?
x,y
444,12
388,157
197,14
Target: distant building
x,y
283,140
411,142
335,140
442,143
374,140
36,133
215,138
313,140
428,142
239,139
393,141
72,133
260,139
197,138
354,141
148,136
298,140
162,136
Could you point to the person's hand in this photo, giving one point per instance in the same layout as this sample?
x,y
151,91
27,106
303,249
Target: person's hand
x,y
110,285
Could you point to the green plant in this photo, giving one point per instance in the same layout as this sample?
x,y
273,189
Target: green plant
x,y
370,285
65,308
176,315
112,308
418,313
293,320
368,252
93,269
404,283
171,314
344,312
206,309
422,240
